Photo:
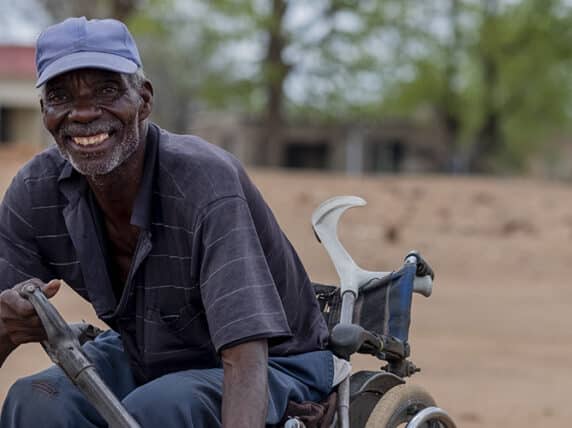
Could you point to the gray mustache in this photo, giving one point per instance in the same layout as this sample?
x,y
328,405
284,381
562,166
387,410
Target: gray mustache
x,y
86,130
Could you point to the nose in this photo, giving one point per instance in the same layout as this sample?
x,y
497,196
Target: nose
x,y
84,112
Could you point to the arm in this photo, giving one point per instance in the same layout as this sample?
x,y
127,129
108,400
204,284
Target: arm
x,y
245,385
19,261
242,306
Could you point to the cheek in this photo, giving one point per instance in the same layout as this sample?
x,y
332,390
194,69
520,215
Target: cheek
x,y
128,114
52,119
144,110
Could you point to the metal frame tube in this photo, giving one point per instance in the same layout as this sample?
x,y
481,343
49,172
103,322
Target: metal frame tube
x,y
346,317
431,414
348,303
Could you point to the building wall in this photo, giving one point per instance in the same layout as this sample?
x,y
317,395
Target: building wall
x,y
27,126
21,119
19,93
391,147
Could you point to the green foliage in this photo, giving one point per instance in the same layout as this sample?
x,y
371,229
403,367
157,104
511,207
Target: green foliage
x,y
495,74
330,53
511,62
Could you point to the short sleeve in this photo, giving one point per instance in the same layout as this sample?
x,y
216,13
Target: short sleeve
x,y
239,294
19,258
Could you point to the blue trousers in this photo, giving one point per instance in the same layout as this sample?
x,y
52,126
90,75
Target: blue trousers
x,y
190,398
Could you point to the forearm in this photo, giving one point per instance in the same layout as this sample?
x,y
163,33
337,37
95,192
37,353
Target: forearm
x,y
245,385
6,345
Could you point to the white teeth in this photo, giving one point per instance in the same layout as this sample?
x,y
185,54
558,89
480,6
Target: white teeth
x,y
93,139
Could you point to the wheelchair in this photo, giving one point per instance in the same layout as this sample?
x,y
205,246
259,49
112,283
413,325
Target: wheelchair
x,y
368,313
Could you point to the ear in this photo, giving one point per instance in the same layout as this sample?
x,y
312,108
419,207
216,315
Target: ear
x,y
146,94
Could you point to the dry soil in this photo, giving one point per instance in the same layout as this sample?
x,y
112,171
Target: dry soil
x,y
495,340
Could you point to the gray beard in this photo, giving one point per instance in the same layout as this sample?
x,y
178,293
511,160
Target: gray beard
x,y
119,154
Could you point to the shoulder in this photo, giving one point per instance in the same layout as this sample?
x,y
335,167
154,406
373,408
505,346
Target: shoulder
x,y
201,171
42,170
35,184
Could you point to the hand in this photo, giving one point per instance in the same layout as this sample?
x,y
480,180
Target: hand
x,y
19,322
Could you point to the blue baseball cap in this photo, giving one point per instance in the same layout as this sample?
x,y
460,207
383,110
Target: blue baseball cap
x,y
81,43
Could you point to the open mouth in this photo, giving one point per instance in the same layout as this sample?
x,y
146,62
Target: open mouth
x,y
91,140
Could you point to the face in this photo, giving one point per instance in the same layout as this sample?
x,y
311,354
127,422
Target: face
x,y
96,117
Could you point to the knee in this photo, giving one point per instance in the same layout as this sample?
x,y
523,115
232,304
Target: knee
x,y
33,391
47,399
163,403
27,398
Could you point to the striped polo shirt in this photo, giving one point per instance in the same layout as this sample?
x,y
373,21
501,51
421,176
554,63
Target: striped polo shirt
x,y
212,267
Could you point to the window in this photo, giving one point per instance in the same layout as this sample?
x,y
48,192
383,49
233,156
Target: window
x,y
307,155
5,134
387,156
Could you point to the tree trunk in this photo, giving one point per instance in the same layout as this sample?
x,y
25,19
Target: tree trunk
x,y
449,111
488,145
489,139
276,71
118,9
123,9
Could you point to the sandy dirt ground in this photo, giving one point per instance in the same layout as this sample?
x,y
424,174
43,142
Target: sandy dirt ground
x,y
495,340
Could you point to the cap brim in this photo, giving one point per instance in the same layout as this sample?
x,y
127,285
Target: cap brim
x,y
79,60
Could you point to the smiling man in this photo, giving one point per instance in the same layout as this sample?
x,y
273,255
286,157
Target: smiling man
x,y
212,318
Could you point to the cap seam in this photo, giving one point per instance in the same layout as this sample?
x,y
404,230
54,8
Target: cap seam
x,y
80,36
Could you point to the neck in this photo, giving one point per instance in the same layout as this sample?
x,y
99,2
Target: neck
x,y
116,192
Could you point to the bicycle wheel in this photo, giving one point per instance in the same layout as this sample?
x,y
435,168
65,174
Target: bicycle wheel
x,y
398,406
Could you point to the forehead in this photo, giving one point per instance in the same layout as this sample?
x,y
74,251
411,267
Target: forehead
x,y
84,75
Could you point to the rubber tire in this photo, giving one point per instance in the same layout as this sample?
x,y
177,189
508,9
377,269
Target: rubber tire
x,y
398,406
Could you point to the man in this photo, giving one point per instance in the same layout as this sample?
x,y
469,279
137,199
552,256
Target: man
x,y
213,319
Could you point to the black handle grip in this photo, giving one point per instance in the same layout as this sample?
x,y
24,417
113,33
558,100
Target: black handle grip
x,y
423,266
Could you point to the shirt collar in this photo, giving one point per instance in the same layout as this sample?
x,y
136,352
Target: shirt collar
x,y
74,185
141,216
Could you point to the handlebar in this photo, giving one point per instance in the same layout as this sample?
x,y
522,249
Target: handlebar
x,y
423,267
422,283
424,274
63,348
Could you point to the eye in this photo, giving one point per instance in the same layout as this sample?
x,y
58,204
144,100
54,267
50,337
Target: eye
x,y
109,90
57,96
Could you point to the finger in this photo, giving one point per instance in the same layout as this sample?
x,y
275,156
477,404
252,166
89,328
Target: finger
x,y
32,281
26,337
32,326
20,330
31,323
17,329
12,305
51,288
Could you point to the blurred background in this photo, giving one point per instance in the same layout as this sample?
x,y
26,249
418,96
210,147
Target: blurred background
x,y
454,86
452,118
